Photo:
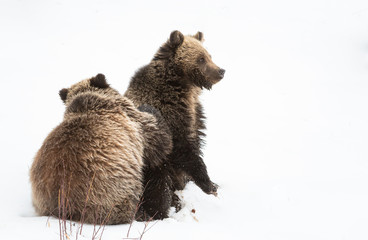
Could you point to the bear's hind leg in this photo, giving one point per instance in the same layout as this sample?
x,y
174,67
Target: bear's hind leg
x,y
157,195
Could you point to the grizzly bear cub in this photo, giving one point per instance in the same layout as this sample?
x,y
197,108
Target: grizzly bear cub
x,y
90,167
172,83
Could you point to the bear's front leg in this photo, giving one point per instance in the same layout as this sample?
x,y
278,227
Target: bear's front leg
x,y
198,171
192,164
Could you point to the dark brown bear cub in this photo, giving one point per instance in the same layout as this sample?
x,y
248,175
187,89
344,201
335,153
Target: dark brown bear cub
x,y
172,83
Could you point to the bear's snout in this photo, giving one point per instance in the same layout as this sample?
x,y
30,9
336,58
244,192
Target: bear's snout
x,y
221,72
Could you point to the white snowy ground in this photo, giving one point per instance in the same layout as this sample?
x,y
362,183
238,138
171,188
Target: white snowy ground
x,y
287,127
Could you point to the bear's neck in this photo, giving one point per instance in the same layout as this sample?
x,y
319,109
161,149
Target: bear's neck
x,y
172,75
172,82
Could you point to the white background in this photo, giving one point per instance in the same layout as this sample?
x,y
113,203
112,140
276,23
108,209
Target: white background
x,y
287,126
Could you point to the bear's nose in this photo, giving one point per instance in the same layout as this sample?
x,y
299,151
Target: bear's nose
x,y
222,72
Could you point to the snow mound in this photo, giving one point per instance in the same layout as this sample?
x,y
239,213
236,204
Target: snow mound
x,y
195,204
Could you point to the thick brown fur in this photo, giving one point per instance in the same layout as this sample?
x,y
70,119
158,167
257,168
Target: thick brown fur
x,y
172,83
91,166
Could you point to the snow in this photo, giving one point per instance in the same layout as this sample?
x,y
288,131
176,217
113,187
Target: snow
x,y
287,126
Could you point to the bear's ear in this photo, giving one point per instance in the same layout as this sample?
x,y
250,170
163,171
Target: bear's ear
x,y
63,93
168,49
99,81
199,36
176,39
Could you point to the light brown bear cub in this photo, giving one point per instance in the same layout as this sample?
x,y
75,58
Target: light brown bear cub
x,y
90,167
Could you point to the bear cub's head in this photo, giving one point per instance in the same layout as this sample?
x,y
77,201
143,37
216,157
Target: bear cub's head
x,y
94,84
93,94
188,54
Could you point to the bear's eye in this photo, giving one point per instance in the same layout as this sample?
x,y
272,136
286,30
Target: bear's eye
x,y
201,60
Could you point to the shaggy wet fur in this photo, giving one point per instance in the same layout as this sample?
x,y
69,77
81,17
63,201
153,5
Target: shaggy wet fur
x,y
172,83
91,166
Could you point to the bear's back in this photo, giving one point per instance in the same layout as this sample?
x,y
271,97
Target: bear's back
x,y
101,147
